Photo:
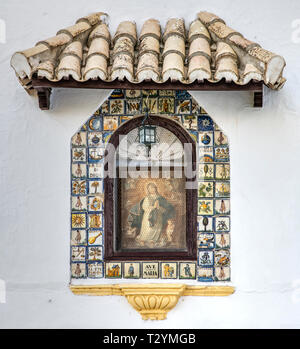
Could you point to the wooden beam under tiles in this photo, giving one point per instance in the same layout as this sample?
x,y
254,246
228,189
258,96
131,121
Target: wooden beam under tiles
x,y
44,86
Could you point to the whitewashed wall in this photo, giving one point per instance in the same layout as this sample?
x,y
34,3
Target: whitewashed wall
x,y
265,172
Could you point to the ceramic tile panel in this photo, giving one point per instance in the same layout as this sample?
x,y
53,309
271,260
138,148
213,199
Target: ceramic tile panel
x,y
87,233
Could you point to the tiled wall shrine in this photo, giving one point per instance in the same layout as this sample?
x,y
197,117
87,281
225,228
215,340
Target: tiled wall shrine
x,y
87,197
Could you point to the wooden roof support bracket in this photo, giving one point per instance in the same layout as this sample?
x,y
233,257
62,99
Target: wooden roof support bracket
x,y
44,86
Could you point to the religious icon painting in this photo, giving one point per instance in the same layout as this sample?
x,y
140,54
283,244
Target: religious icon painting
x,y
187,270
113,270
153,214
168,270
132,270
150,270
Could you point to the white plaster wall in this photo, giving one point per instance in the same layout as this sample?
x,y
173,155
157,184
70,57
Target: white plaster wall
x,y
265,170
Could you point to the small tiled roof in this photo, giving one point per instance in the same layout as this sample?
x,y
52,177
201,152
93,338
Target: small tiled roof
x,y
208,50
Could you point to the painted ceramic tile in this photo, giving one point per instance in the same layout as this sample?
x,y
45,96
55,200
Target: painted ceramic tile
x,y
87,173
206,171
78,270
150,270
205,123
79,139
190,122
95,124
132,270
220,138
96,187
184,107
223,171
205,224
206,189
95,139
117,93
79,203
133,93
205,274
222,224
78,154
133,106
206,154
222,206
79,187
96,154
95,237
106,136
222,258
169,93
117,106
205,207
206,240
95,270
206,258
95,203
150,93
168,270
96,170
105,108
95,253
222,240
222,274
113,270
78,237
166,105
78,253
124,118
187,270
206,138
110,123
222,154
78,170
151,104
78,220
222,189
95,220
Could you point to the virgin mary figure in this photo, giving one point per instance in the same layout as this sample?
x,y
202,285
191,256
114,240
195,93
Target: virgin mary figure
x,y
150,217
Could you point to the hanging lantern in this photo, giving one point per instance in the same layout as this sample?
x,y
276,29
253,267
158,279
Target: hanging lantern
x,y
147,132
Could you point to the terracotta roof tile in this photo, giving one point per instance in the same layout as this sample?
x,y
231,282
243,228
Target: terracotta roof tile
x,y
210,50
